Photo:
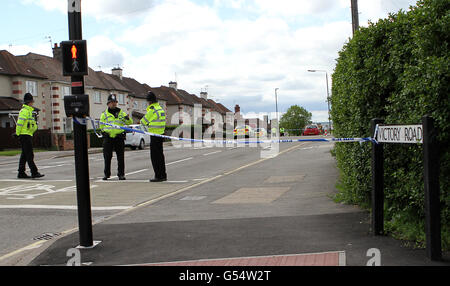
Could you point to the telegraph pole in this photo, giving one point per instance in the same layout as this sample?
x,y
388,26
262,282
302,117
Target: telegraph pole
x,y
355,17
80,139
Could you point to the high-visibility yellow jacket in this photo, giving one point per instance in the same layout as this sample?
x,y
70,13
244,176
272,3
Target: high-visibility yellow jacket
x,y
155,119
120,120
26,123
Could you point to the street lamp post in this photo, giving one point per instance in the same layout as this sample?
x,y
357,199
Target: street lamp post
x,y
328,95
276,102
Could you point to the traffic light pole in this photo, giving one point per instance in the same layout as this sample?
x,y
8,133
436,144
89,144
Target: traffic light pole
x,y
80,140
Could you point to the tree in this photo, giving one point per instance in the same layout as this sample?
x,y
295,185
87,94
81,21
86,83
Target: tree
x,y
295,119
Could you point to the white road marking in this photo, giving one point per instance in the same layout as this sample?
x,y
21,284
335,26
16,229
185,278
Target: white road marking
x,y
123,181
33,180
61,207
27,192
211,153
182,160
131,173
135,172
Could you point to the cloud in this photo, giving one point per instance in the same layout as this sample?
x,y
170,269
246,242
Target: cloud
x,y
241,49
104,52
100,9
40,48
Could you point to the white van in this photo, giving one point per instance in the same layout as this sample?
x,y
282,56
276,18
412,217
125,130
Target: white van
x,y
136,139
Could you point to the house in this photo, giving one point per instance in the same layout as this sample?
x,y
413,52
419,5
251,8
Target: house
x,y
178,106
16,79
137,95
52,90
42,77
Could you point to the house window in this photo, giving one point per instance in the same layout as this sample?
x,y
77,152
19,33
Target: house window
x,y
68,125
135,105
97,97
144,105
121,99
32,87
66,90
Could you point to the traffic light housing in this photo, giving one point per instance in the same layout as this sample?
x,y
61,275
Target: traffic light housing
x,y
74,56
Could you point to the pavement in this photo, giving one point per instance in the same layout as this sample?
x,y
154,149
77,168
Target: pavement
x,y
225,206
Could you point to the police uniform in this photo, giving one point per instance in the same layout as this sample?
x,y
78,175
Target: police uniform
x,y
25,128
114,138
155,121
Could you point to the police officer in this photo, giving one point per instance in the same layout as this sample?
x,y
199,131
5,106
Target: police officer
x,y
25,128
281,131
155,121
114,138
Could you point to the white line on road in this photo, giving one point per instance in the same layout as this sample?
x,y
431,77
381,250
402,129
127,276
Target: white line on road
x,y
211,153
33,180
123,181
135,172
61,207
131,173
179,161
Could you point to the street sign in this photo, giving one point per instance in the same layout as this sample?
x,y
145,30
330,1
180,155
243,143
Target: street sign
x,y
399,134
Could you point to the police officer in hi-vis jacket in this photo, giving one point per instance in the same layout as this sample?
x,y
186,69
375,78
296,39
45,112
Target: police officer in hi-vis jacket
x,y
113,137
25,128
155,121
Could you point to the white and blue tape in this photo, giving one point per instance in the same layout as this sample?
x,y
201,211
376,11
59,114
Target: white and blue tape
x,y
360,140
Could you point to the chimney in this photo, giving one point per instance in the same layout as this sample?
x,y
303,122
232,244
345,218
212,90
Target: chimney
x,y
117,71
237,109
204,95
173,84
57,52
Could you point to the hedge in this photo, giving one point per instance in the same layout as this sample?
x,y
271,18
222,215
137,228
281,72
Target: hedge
x,y
396,69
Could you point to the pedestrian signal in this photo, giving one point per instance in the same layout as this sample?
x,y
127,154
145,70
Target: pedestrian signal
x,y
74,57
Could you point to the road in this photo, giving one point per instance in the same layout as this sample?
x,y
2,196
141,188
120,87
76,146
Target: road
x,y
31,208
218,203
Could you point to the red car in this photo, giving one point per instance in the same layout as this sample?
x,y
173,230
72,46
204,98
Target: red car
x,y
311,130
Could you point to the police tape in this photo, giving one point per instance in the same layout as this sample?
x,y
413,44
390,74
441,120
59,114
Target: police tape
x,y
83,121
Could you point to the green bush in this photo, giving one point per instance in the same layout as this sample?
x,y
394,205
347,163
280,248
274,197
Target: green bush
x,y
397,69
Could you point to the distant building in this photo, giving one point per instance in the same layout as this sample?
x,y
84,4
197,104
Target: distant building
x,y
42,77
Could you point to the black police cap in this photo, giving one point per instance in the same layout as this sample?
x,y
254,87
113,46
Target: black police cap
x,y
28,98
151,97
112,98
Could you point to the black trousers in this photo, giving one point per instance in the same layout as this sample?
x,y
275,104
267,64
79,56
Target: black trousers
x,y
118,145
27,156
157,157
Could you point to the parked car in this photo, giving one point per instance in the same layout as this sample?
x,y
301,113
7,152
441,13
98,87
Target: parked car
x,y
260,132
311,130
136,139
243,130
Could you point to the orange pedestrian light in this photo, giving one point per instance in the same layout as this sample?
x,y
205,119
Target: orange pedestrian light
x,y
74,58
74,52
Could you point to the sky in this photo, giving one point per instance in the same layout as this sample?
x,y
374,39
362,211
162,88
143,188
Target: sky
x,y
238,51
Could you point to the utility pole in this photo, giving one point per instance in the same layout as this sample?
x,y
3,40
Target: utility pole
x,y
355,17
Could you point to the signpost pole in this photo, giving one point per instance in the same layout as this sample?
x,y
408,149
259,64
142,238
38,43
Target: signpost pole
x,y
80,140
431,182
377,183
